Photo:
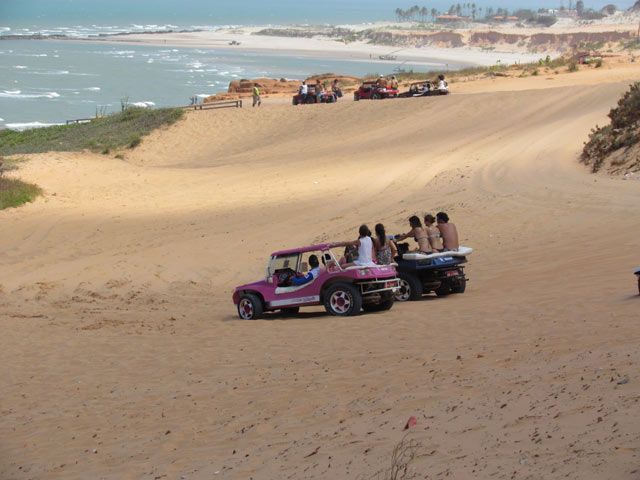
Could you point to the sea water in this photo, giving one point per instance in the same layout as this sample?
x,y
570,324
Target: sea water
x,y
50,81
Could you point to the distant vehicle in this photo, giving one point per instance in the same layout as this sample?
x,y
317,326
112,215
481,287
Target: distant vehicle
x,y
374,91
342,291
423,89
234,42
326,97
419,274
388,57
637,274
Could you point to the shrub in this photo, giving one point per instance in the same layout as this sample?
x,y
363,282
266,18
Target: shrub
x,y
14,192
100,135
573,66
623,132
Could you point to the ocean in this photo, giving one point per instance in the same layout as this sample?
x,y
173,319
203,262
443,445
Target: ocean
x,y
50,81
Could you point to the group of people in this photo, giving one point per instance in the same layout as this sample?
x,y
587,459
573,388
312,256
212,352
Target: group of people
x,y
319,90
426,87
437,235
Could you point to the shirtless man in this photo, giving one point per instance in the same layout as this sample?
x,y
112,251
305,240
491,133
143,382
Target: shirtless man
x,y
448,231
433,232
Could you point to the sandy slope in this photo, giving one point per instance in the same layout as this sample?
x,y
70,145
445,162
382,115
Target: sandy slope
x,y
122,358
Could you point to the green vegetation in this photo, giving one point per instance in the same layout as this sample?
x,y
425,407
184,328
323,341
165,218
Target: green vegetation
x,y
14,192
622,132
124,129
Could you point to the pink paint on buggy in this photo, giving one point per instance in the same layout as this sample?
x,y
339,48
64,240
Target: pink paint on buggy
x,y
369,280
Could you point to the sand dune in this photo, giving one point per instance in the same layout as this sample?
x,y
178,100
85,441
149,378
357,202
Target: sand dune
x,y
122,356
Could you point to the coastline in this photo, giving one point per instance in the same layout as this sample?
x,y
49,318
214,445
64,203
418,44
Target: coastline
x,y
317,48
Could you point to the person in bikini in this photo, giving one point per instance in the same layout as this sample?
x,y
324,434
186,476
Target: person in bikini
x,y
419,234
448,231
435,239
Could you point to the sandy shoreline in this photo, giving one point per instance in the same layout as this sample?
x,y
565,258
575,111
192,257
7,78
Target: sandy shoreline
x,y
322,48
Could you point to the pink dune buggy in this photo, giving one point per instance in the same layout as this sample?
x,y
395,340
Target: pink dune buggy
x,y
342,291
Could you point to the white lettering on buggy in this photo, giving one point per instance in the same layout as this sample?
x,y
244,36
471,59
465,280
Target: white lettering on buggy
x,y
293,301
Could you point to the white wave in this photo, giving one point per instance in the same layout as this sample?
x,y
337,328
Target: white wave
x,y
29,125
1,119
52,72
19,94
150,60
143,104
93,89
19,67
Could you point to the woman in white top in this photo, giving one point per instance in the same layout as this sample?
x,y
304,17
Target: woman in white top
x,y
366,250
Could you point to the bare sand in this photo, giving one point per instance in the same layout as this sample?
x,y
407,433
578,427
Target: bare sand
x,y
122,358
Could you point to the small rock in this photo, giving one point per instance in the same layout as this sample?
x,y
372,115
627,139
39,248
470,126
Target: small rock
x,y
412,422
623,381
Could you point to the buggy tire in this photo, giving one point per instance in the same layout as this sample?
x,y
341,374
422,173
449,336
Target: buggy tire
x,y
342,300
443,290
385,303
376,96
410,288
250,307
460,286
294,101
356,97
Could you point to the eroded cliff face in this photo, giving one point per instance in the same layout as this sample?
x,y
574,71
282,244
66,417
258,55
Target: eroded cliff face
x,y
536,42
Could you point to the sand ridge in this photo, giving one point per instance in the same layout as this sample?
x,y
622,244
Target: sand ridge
x,y
122,358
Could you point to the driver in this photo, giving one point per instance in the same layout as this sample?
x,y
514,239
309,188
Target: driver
x,y
311,275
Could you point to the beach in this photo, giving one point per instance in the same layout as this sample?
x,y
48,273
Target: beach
x,y
321,47
122,355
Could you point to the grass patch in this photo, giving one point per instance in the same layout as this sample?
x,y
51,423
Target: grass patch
x,y
14,192
124,129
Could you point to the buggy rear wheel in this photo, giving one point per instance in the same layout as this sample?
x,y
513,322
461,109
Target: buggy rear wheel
x,y
410,287
385,303
459,286
249,307
443,290
342,300
376,96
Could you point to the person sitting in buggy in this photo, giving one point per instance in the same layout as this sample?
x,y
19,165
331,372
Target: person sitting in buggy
x,y
311,274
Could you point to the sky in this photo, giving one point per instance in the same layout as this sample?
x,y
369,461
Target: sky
x,y
225,12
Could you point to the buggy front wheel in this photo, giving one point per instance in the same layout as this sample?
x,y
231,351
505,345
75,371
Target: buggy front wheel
x,y
249,307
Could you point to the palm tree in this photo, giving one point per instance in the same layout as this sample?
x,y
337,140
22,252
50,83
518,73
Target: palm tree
x,y
434,14
458,9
